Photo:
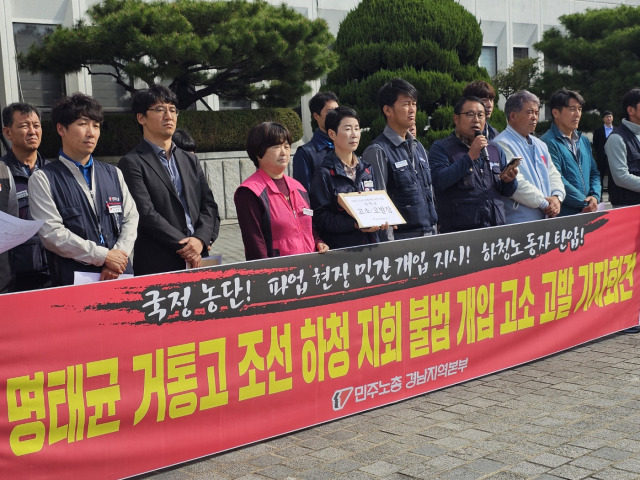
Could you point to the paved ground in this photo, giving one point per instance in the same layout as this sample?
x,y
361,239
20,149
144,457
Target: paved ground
x,y
573,415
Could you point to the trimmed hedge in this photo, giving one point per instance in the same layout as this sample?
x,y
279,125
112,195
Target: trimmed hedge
x,y
212,131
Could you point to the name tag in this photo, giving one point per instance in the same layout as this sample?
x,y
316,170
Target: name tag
x,y
22,194
115,207
401,164
368,185
307,211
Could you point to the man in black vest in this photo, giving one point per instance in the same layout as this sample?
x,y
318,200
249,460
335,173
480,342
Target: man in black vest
x,y
8,204
623,152
470,175
90,219
22,127
399,161
310,155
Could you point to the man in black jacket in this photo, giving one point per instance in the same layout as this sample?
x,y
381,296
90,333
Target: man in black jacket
x,y
178,215
600,136
22,127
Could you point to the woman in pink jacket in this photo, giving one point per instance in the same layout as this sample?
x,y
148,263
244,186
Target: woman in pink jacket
x,y
273,209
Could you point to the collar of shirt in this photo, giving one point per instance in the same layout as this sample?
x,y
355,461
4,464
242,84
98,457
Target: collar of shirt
x,y
526,139
161,153
393,136
571,141
634,127
321,140
84,169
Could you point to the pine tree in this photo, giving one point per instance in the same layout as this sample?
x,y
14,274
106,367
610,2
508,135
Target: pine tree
x,y
236,49
598,54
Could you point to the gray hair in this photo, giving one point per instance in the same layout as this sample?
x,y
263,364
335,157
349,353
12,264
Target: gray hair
x,y
516,101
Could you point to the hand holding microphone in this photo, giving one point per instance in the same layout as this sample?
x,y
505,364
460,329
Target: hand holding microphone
x,y
482,143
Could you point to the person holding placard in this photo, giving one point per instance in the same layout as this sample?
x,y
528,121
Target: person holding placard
x,y
341,171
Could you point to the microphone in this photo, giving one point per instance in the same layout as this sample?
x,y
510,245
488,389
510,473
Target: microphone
x,y
484,153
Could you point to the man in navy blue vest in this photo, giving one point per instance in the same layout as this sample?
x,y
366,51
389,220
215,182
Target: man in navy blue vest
x,y
22,127
399,161
623,153
90,219
470,174
8,204
310,155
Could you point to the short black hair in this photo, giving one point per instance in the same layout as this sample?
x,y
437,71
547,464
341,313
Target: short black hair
x,y
22,107
607,112
183,139
560,98
457,108
319,100
335,116
263,136
479,89
389,92
70,109
630,99
145,98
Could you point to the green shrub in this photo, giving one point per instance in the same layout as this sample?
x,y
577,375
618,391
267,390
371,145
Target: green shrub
x,y
498,120
433,135
212,131
589,122
432,44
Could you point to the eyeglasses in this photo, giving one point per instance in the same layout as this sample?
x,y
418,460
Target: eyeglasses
x,y
174,112
471,115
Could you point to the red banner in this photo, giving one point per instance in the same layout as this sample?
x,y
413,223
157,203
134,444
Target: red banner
x,y
118,378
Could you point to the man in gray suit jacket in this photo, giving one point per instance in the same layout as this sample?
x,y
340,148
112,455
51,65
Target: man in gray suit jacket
x,y
178,214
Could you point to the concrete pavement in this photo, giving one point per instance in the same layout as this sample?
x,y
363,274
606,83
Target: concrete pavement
x,y
574,415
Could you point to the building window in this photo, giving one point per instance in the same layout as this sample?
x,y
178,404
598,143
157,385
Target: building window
x,y
489,60
41,89
549,66
228,104
111,96
520,52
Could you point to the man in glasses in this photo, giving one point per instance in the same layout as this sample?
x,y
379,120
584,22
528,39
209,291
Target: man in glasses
x,y
540,190
487,96
178,214
470,175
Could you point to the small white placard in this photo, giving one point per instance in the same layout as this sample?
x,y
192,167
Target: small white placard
x,y
371,209
84,278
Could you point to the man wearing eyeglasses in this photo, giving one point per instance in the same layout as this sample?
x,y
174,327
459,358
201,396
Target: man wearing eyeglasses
x,y
540,190
178,214
467,173
571,154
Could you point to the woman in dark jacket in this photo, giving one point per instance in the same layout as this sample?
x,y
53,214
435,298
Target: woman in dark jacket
x,y
341,172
